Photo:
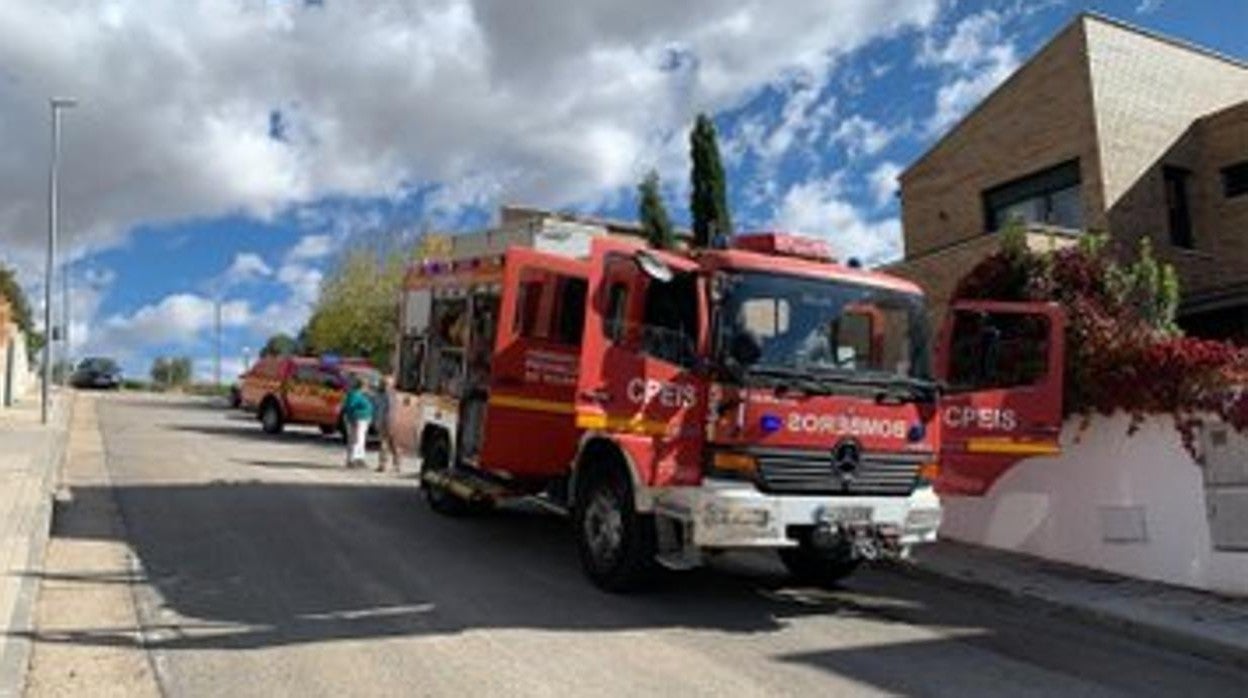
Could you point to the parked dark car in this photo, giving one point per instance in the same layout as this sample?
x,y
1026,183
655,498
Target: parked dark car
x,y
97,373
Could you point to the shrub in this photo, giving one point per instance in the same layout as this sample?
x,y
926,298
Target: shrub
x,y
1124,350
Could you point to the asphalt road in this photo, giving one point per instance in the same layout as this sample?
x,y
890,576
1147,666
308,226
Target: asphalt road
x,y
268,570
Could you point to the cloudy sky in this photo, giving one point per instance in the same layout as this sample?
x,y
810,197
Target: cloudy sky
x,y
232,146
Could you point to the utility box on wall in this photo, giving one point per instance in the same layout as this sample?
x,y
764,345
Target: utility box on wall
x,y
1226,487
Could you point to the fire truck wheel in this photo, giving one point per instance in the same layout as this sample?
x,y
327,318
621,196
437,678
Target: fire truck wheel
x,y
271,418
328,430
821,566
437,458
615,542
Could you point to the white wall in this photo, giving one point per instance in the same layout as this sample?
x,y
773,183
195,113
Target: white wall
x,y
1134,505
24,380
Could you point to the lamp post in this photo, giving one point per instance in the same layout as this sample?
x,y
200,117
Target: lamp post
x,y
216,355
56,104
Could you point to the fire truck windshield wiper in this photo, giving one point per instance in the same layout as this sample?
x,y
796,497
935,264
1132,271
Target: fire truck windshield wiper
x,y
907,389
785,378
886,387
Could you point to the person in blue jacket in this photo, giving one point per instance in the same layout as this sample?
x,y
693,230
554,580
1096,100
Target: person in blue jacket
x,y
357,412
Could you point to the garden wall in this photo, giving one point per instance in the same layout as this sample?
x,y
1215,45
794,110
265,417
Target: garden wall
x,y
1134,505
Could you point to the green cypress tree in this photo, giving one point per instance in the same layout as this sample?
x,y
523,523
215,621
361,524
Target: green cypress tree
x,y
708,200
655,222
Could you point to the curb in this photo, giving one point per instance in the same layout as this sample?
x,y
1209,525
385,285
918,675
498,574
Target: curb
x,y
16,657
1158,634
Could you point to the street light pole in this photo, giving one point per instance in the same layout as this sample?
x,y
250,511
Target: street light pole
x,y
66,358
216,363
50,268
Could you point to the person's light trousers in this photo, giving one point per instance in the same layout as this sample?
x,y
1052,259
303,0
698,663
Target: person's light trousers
x,y
357,436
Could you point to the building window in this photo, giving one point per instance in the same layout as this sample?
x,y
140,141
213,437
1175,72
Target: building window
x,y
1177,207
570,315
1048,197
1235,179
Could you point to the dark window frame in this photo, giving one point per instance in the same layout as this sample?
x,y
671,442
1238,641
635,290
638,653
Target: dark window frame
x,y
670,317
527,321
1002,351
1178,200
568,325
1040,183
1235,179
615,314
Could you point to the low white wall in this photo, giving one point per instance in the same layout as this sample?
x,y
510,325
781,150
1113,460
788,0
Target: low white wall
x,y
13,342
1134,505
24,379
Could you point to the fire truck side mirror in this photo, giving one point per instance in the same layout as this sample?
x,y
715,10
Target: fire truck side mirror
x,y
653,267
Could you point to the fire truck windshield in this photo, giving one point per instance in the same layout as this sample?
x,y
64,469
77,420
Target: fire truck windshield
x,y
795,326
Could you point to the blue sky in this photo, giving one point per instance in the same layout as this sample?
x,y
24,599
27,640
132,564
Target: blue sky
x,y
233,150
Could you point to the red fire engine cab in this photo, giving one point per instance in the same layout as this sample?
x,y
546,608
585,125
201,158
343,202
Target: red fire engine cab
x,y
680,404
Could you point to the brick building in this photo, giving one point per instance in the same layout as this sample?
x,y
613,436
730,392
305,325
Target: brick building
x,y
1108,127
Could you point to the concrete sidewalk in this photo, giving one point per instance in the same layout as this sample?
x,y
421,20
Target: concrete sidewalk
x,y
31,455
1194,622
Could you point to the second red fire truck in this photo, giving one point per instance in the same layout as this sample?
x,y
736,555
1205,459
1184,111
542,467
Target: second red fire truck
x,y
680,404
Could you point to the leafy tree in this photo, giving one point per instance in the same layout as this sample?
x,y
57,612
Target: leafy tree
x,y
169,372
180,370
655,222
12,291
708,200
280,344
357,311
160,371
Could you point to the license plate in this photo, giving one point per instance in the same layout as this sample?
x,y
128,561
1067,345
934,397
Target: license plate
x,y
846,515
736,524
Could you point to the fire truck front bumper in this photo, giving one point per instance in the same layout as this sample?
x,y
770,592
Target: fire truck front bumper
x,y
734,514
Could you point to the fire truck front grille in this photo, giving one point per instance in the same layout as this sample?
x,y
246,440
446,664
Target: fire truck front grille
x,y
787,471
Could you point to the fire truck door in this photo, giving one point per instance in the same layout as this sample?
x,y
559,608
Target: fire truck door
x,y
530,429
639,379
1002,364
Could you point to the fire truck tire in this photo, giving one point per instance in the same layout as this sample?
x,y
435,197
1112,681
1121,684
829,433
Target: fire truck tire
x,y
328,430
617,544
271,419
437,457
821,566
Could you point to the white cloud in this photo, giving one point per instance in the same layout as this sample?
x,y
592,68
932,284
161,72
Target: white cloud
x,y
311,247
1147,7
978,57
87,290
246,267
553,102
966,47
304,282
956,98
863,136
883,182
818,207
177,319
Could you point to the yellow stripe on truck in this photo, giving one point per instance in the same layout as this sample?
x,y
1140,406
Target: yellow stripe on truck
x,y
1011,447
632,424
532,404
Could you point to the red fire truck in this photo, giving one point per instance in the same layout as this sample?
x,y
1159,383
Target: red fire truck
x,y
680,404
